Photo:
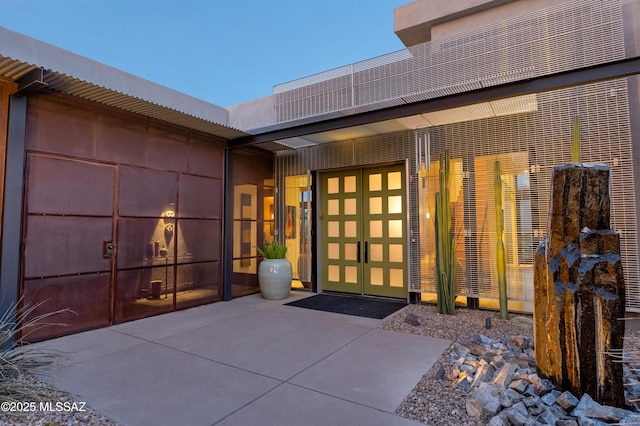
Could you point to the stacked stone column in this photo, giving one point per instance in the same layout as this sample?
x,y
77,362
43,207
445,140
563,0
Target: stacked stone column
x,y
579,288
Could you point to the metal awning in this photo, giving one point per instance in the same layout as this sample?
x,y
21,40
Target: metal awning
x,y
411,115
66,72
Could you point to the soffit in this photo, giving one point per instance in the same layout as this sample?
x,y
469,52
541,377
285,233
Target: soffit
x,y
496,108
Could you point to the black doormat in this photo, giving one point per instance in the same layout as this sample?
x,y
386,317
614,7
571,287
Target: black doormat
x,y
349,305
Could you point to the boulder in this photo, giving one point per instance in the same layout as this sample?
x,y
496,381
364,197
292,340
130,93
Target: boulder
x,y
413,319
567,401
579,290
484,402
518,414
504,375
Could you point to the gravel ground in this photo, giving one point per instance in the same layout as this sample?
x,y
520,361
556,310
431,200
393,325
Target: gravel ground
x,y
441,402
432,401
58,408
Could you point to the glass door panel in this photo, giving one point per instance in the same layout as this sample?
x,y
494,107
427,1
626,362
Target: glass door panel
x,y
364,232
384,232
341,232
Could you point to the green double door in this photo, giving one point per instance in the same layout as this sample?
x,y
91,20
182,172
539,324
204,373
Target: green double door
x,y
364,231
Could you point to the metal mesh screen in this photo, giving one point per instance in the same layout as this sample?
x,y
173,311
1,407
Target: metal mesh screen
x,y
527,145
559,38
526,135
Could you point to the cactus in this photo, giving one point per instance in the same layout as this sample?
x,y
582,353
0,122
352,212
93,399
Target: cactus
x,y
575,140
445,243
501,257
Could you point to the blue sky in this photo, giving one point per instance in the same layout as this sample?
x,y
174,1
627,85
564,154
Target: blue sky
x,y
222,51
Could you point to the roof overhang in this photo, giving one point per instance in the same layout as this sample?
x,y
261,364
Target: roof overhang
x,y
413,21
22,57
406,114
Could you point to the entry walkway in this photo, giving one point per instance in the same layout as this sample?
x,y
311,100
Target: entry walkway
x,y
246,362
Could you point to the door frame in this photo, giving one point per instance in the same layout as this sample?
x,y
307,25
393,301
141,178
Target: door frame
x,y
317,238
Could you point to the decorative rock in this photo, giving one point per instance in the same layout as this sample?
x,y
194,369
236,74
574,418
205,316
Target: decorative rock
x,y
440,374
587,407
504,376
499,419
518,414
545,386
469,368
413,319
566,422
536,410
463,381
461,350
519,385
532,401
549,416
477,349
579,287
586,421
630,420
484,374
525,321
481,339
552,397
567,401
533,390
520,342
522,363
484,402
512,395
605,413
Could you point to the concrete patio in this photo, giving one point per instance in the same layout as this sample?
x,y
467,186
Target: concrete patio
x,y
248,361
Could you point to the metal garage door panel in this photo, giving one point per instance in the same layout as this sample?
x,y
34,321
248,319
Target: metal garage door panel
x,y
200,197
200,239
145,192
69,187
60,245
86,295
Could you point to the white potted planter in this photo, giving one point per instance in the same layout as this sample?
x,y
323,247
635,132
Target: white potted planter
x,y
274,272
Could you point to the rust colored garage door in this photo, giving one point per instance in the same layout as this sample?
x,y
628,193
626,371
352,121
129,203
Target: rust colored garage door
x,y
69,221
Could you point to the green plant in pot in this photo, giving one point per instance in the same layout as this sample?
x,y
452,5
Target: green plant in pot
x,y
274,272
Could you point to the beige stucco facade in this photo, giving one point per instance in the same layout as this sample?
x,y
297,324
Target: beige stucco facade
x,y
425,20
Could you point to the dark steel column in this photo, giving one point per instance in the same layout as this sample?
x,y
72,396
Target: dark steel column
x,y
315,225
12,215
227,225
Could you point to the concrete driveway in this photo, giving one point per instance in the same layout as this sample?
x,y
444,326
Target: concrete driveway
x,y
245,362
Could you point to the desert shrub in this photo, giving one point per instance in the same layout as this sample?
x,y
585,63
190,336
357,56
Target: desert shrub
x,y
17,357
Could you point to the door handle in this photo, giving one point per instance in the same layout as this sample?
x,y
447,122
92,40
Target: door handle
x,y
366,252
108,249
358,253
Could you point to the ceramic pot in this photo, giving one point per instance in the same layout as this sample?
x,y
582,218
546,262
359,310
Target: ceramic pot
x,y
274,277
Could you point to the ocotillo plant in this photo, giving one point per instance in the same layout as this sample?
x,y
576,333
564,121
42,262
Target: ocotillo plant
x,y
445,243
501,257
575,140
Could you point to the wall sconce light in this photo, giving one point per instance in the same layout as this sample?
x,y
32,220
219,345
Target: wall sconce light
x,y
170,214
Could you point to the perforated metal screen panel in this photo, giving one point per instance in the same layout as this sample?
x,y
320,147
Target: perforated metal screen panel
x,y
559,38
526,135
527,145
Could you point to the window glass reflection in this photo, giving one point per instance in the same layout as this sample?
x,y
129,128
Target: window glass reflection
x,y
350,184
395,180
375,182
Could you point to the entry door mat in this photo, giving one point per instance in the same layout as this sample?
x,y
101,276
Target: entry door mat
x,y
349,305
